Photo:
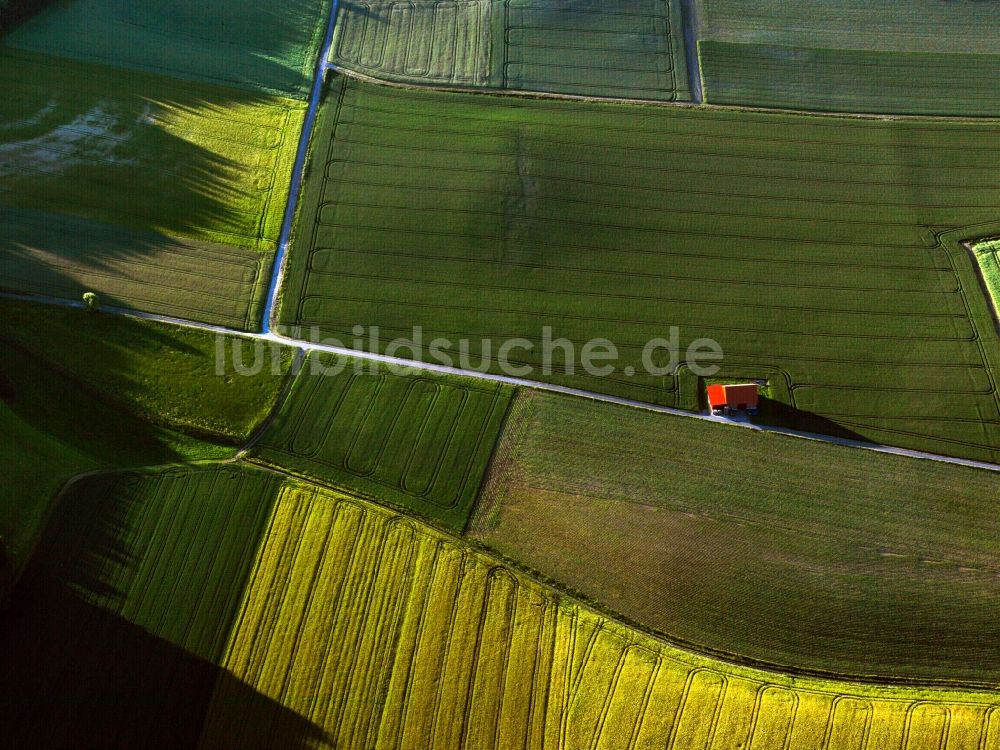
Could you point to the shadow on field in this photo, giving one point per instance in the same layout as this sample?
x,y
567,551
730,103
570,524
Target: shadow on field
x,y
76,676
91,665
102,172
781,414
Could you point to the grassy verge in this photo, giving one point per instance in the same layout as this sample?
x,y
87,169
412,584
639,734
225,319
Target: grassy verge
x,y
764,547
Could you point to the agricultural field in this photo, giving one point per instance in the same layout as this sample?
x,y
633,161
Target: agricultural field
x,y
85,392
760,546
383,633
912,57
160,195
262,47
633,49
420,441
145,152
822,255
127,607
987,256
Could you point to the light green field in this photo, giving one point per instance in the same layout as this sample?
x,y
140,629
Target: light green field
x,y
82,392
143,151
765,547
420,441
634,49
850,80
254,45
821,254
385,634
987,255
913,57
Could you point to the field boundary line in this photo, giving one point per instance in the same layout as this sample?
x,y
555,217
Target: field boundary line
x,y
534,94
298,361
984,288
417,365
298,170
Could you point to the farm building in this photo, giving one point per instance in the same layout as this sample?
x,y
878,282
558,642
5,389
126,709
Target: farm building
x,y
726,399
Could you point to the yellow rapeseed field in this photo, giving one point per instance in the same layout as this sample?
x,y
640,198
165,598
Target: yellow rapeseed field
x,y
385,633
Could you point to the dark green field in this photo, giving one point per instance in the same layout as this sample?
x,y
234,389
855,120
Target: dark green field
x,y
419,441
821,254
81,392
848,80
756,545
892,56
255,45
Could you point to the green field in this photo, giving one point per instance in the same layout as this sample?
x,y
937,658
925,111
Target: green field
x,y
257,46
385,634
633,49
821,254
83,392
119,624
909,57
420,441
849,80
987,255
903,25
760,546
57,255
144,151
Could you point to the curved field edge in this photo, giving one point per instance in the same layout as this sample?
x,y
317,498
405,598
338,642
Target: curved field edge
x,y
291,614
82,392
383,632
758,547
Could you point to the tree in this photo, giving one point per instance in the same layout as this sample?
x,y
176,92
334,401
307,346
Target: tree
x,y
91,301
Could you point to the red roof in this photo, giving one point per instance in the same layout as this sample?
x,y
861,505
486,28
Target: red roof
x,y
744,394
716,396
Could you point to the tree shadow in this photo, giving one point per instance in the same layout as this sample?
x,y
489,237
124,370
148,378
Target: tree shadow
x,y
260,46
115,639
157,194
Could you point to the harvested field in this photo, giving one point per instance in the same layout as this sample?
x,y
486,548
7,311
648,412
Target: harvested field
x,y
383,633
634,49
145,152
821,254
760,546
419,441
254,45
